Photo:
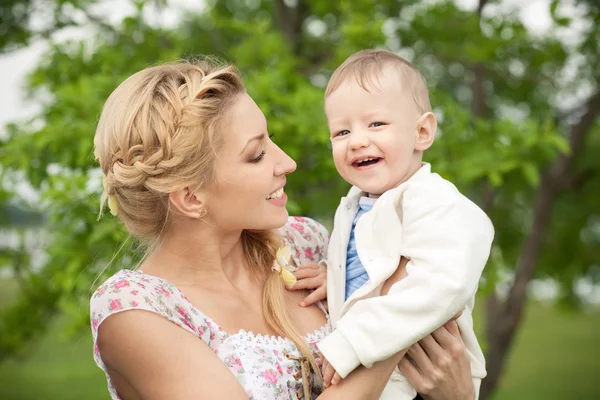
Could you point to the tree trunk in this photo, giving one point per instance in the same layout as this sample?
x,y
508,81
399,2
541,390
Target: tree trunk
x,y
503,319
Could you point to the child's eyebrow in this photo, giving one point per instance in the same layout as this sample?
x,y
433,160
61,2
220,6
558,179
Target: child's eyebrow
x,y
335,122
371,114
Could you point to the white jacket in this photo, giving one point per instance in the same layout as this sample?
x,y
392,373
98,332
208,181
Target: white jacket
x,y
447,239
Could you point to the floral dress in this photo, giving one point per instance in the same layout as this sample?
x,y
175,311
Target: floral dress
x,y
266,366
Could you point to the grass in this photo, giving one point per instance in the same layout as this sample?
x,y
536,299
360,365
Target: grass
x,y
555,358
53,368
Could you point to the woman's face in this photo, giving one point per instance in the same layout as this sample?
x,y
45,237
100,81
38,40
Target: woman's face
x,y
250,173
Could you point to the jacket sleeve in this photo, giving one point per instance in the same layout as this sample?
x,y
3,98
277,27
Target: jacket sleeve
x,y
447,240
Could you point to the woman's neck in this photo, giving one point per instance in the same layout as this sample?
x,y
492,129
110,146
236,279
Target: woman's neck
x,y
201,257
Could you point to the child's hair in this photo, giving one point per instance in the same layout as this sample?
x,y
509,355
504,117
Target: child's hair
x,y
160,131
365,66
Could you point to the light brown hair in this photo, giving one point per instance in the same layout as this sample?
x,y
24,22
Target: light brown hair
x,y
160,131
366,65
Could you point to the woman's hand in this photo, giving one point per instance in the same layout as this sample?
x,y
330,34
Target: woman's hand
x,y
438,366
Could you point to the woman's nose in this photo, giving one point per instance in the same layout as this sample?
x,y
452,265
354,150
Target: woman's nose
x,y
285,165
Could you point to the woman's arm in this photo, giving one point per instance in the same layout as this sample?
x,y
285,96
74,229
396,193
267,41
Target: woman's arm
x,y
441,369
364,383
149,357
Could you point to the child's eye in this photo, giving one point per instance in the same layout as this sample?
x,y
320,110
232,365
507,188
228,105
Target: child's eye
x,y
341,133
376,124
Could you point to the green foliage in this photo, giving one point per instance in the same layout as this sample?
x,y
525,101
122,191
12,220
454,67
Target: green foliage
x,y
286,57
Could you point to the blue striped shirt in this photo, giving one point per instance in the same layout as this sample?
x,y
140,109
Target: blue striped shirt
x,y
356,276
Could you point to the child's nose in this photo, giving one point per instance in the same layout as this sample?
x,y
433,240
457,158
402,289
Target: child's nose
x,y
358,139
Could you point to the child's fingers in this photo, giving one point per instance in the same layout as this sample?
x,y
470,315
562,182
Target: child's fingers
x,y
336,378
307,283
328,373
317,295
309,266
306,273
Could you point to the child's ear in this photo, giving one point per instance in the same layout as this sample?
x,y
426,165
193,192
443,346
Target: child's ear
x,y
426,129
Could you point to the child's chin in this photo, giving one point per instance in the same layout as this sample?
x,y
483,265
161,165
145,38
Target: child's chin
x,y
371,188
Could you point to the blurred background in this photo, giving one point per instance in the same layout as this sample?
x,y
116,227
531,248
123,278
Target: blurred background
x,y
515,86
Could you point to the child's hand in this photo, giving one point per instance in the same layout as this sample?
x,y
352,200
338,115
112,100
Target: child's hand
x,y
330,376
313,277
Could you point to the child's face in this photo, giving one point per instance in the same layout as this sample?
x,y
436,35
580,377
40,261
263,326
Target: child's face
x,y
375,134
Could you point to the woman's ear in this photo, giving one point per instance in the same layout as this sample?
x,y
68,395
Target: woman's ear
x,y
188,203
426,129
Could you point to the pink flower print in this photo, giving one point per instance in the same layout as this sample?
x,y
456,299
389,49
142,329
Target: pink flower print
x,y
96,350
121,284
298,227
270,377
134,303
238,365
115,305
181,311
189,325
141,285
308,253
134,292
95,324
167,294
279,369
200,330
101,291
300,219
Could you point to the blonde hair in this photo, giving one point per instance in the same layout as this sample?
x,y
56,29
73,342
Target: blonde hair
x,y
365,67
160,131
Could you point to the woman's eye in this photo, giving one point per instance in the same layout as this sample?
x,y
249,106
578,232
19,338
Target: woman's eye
x,y
259,157
376,124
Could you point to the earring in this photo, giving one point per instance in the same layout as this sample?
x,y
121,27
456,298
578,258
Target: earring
x,y
202,213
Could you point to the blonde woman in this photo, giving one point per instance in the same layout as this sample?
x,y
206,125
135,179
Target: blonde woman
x,y
190,169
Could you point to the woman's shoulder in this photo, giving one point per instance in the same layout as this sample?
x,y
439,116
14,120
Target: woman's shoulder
x,y
307,238
135,290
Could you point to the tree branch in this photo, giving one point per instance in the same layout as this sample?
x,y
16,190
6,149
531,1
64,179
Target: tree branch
x,y
553,181
481,6
290,21
561,166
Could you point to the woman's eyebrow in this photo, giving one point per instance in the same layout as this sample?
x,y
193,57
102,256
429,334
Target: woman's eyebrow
x,y
257,137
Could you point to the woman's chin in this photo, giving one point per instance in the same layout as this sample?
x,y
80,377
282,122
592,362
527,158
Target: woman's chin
x,y
277,220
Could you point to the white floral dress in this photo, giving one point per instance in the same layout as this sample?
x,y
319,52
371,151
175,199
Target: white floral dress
x,y
259,362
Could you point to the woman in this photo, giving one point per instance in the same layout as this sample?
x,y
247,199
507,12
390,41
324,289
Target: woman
x,y
191,171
